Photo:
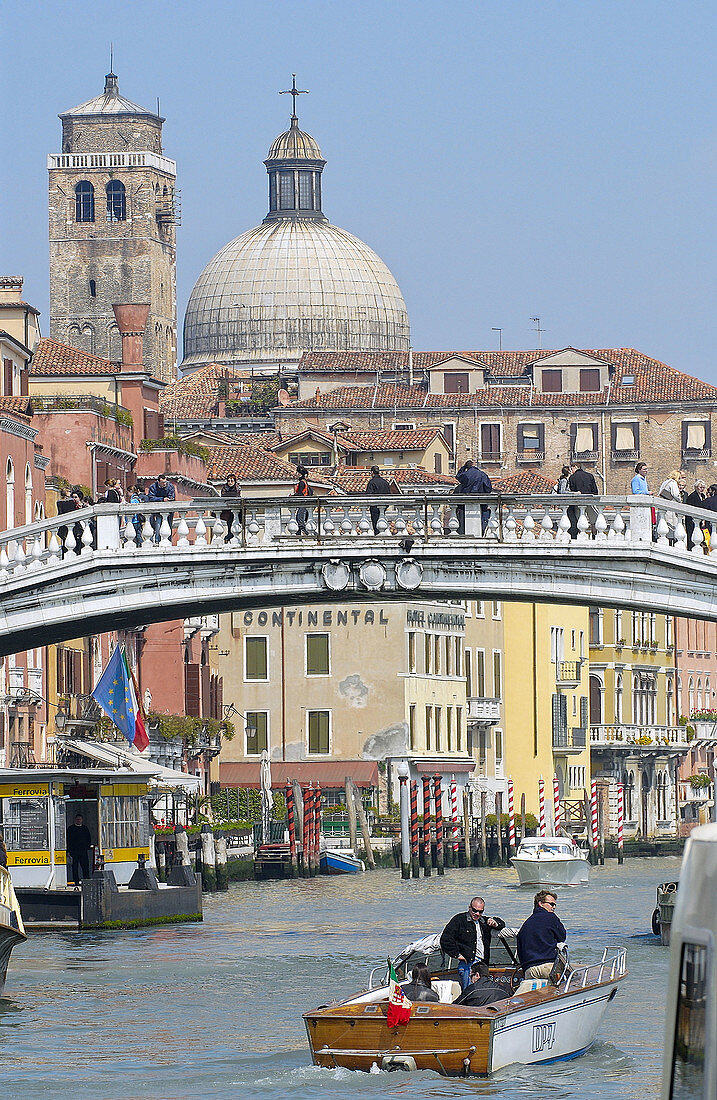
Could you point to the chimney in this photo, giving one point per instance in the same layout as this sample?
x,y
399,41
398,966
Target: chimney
x,y
131,319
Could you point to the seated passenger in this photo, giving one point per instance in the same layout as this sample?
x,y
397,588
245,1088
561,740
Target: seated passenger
x,y
419,988
481,991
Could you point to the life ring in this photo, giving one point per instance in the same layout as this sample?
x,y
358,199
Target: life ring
x,y
656,921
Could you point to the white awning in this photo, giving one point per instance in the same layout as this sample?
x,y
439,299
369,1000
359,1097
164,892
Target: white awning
x,y
117,756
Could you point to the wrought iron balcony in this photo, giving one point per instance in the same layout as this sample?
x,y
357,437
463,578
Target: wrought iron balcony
x,y
530,457
570,740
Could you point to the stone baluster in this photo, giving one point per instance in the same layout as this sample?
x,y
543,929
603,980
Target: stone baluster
x,y
662,530
453,523
292,527
546,527
235,530
601,526
510,525
346,526
183,530
617,528
492,530
253,527
36,554
400,523
328,527
87,537
4,562
165,531
528,528
583,526
200,531
563,534
54,548
129,535
435,521
147,534
19,556
218,530
698,539
417,521
681,534
70,541
364,524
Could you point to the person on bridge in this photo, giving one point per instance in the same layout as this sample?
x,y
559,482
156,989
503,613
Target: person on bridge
x,y
460,940
540,935
471,479
377,487
230,491
695,500
303,489
580,481
672,488
641,519
161,490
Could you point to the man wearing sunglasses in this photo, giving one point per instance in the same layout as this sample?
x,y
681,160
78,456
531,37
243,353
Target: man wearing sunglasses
x,y
540,935
460,940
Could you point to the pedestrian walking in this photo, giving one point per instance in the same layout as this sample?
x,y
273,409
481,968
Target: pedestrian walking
x,y
581,481
641,519
303,489
378,487
230,491
471,479
161,490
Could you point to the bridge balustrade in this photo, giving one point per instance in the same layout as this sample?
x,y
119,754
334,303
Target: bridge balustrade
x,y
406,521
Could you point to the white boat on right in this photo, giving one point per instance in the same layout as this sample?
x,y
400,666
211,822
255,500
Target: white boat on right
x,y
551,861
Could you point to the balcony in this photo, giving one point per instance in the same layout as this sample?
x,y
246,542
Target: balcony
x,y
530,457
491,458
640,739
483,710
583,456
624,456
567,673
123,159
570,740
695,454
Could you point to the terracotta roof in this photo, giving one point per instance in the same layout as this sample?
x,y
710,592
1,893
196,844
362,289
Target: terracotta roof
x,y
527,481
53,358
20,305
411,440
354,479
654,381
249,464
22,406
197,394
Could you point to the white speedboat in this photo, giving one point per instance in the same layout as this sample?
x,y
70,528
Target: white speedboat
x,y
551,861
11,926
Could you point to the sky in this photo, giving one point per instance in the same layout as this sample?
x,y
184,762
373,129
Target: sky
x,y
506,159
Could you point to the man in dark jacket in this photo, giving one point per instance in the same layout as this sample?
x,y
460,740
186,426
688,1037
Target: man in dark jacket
x,y
540,935
159,491
79,843
471,479
460,940
580,481
482,991
377,487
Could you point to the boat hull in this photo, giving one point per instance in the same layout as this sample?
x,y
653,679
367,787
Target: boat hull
x,y
12,930
538,1026
552,872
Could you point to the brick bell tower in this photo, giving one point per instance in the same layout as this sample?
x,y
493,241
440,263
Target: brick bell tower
x,y
114,211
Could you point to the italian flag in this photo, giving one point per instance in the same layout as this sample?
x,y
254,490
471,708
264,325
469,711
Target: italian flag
x,y
399,1006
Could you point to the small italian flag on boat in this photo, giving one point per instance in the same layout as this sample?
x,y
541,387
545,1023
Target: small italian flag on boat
x,y
399,1006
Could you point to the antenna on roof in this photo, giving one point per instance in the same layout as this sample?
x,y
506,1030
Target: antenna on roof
x,y
158,111
539,331
500,337
112,57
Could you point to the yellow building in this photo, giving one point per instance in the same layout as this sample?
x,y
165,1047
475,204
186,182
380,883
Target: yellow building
x,y
545,703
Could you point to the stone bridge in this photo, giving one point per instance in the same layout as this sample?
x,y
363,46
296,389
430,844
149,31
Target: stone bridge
x,y
107,567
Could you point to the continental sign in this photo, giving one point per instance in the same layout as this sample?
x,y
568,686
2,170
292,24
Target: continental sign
x,y
24,790
28,859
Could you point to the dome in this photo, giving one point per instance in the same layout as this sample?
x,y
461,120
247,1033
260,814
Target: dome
x,y
292,285
295,144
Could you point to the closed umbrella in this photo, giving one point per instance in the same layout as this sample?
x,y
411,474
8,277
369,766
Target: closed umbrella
x,y
266,797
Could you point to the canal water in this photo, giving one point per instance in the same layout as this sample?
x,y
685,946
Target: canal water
x,y
214,1010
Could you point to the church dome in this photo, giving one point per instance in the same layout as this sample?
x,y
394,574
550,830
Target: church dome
x,y
295,283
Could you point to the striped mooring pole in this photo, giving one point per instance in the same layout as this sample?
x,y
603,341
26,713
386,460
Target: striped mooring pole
x,y
511,818
594,814
438,796
556,805
289,795
426,826
415,858
454,821
541,799
620,820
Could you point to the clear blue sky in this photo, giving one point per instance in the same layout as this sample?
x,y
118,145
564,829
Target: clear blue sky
x,y
506,159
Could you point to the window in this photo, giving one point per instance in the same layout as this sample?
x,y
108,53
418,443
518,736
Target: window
x,y
125,821
595,626
84,202
457,662
438,725
531,441
449,434
412,651
490,442
696,437
556,644
498,752
286,190
455,382
497,609
310,458
256,732
93,288
437,654
449,656
583,439
116,201
625,438
552,381
306,201
429,723
427,654
497,674
459,729
256,659
468,667
618,698
412,726
689,1054
480,674
582,645
317,655
589,379
449,729
480,611
319,727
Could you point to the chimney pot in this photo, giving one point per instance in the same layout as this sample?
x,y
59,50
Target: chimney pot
x,y
131,318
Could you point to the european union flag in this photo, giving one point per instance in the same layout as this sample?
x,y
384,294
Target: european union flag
x,y
114,695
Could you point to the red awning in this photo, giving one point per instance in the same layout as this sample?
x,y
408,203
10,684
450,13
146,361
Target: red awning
x,y
328,773
443,767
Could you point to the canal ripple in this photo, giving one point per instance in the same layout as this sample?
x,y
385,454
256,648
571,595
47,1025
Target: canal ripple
x,y
214,1010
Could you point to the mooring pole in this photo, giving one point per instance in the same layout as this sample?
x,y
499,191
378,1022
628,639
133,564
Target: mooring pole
x,y
438,797
415,860
427,859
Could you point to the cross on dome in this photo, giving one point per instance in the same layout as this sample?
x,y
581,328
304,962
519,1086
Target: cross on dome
x,y
293,91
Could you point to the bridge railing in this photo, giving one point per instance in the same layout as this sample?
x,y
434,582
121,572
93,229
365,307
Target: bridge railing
x,y
405,521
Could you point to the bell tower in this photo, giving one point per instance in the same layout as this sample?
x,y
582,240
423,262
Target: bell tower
x,y
113,216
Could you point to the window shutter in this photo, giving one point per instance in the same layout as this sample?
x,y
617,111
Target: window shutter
x,y
521,438
7,377
583,711
573,437
219,698
205,701
24,383
76,672
191,690
60,669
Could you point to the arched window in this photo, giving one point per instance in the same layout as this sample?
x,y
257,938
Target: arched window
x,y
595,701
93,288
618,698
116,201
10,494
87,339
84,202
28,494
691,696
114,343
699,693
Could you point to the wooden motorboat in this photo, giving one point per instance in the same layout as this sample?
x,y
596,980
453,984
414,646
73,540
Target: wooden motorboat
x,y
12,930
540,1022
340,861
551,861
